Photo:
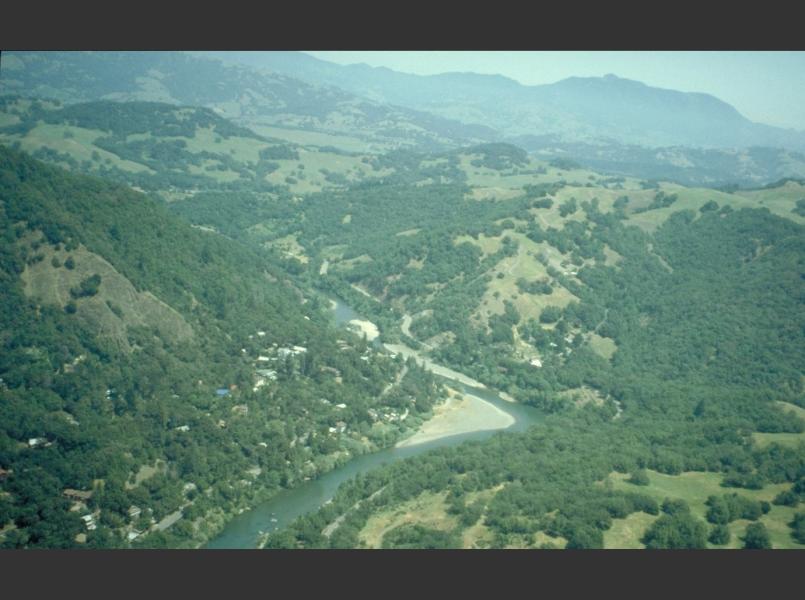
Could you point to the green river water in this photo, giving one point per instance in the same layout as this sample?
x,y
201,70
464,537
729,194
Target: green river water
x,y
244,530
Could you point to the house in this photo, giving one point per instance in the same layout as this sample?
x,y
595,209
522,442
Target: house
x,y
134,511
342,405
241,409
221,392
261,334
267,373
262,358
38,441
182,428
535,362
133,535
89,522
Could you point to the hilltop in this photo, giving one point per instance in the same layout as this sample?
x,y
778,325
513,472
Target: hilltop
x,y
577,109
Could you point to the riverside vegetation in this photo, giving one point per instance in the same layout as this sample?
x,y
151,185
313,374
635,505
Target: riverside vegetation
x,y
168,357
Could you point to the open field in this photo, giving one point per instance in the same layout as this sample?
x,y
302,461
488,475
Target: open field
x,y
427,509
603,346
694,488
785,439
316,138
79,144
694,198
485,177
626,533
779,200
505,274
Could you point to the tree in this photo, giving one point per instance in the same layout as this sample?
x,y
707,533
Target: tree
x,y
719,535
798,528
550,314
679,530
568,207
718,511
88,287
756,537
675,506
639,477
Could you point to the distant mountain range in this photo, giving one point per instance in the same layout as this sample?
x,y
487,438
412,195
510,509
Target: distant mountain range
x,y
606,123
577,109
248,96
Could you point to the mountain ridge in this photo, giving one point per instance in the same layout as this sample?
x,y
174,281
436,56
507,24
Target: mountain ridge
x,y
434,92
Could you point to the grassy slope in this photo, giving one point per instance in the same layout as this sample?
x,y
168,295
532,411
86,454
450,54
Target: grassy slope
x,y
694,488
79,142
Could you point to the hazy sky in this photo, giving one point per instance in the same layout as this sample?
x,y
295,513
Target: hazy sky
x,y
768,87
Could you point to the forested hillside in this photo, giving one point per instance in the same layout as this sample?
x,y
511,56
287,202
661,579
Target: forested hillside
x,y
175,230
491,261
703,388
155,377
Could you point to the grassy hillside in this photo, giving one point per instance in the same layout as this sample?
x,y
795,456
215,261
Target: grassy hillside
x,y
172,150
249,96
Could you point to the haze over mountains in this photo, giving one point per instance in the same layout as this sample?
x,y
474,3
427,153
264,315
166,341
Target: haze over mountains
x,y
575,109
611,124
251,98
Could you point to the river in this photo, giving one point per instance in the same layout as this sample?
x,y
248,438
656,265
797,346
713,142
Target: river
x,y
244,530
